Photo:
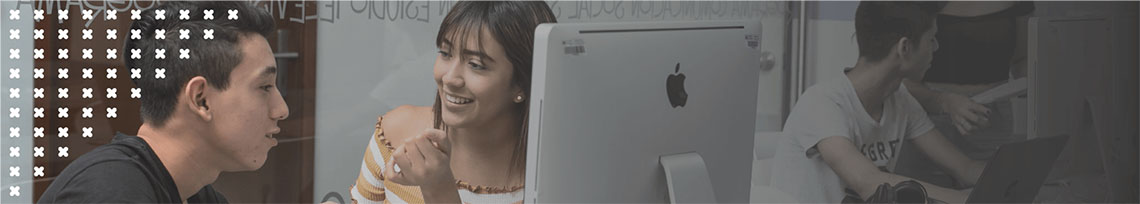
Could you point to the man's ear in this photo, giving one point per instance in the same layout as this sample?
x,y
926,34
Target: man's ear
x,y
903,48
195,96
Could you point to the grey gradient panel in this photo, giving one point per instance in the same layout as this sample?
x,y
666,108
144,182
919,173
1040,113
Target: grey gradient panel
x,y
24,103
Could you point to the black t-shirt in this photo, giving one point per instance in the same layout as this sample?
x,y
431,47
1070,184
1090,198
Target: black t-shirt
x,y
976,49
124,171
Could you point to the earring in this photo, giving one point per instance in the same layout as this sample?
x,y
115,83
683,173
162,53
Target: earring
x,y
519,98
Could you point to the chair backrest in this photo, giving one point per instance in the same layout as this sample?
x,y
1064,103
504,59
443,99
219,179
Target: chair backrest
x,y
765,144
762,192
765,150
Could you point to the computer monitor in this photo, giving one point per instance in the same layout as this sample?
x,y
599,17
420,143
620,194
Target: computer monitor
x,y
1074,84
609,100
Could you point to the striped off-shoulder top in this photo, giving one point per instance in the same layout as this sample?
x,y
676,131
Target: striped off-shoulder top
x,y
371,187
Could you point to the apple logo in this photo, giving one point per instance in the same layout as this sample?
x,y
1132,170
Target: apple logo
x,y
675,88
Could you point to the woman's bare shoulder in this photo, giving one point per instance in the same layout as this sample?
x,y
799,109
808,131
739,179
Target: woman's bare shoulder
x,y
404,122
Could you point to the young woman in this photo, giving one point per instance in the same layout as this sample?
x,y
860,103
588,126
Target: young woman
x,y
470,146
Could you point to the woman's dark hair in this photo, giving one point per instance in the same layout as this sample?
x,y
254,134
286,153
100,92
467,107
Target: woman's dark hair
x,y
512,24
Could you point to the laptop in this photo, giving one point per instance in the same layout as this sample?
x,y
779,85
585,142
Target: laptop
x,y
1017,170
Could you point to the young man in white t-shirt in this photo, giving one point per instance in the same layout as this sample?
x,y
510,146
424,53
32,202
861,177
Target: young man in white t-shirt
x,y
846,133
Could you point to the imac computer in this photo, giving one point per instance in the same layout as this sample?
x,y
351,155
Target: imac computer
x,y
637,112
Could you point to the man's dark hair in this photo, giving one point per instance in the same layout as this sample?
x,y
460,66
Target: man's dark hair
x,y
879,24
213,59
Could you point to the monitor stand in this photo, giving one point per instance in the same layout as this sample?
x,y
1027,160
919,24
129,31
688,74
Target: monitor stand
x,y
687,178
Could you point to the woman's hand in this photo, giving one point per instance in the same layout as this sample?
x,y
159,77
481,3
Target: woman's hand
x,y
966,114
423,160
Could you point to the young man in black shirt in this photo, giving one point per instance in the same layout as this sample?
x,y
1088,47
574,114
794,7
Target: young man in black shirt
x,y
214,112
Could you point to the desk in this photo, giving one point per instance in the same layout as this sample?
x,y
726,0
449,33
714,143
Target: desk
x,y
1088,188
